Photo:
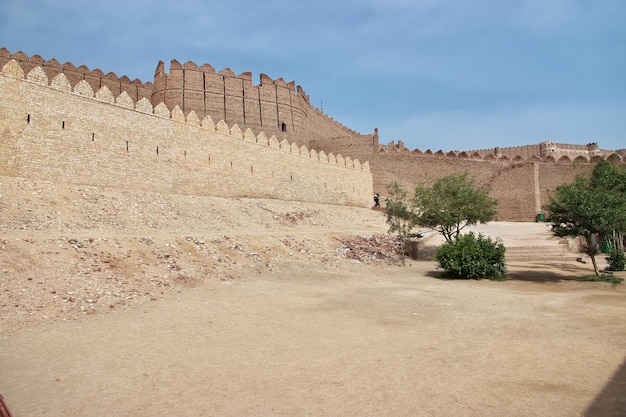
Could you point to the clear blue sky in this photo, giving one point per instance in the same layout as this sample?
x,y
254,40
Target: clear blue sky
x,y
436,74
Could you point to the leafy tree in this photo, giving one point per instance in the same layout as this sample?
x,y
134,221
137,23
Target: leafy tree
x,y
400,216
612,180
591,206
448,205
451,204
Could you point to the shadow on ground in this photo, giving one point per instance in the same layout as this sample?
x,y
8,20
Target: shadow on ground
x,y
545,272
611,402
540,272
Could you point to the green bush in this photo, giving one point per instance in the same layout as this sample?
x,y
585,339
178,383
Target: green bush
x,y
617,260
471,257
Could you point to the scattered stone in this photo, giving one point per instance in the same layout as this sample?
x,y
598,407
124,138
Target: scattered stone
x,y
115,260
371,249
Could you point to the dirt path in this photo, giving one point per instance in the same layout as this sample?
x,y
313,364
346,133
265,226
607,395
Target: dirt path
x,y
279,324
381,341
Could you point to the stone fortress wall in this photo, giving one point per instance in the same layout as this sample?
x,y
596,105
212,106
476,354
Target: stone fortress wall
x,y
521,177
274,106
550,151
161,136
547,151
85,127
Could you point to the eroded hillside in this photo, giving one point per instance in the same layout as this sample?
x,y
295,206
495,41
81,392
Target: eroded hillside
x,y
68,250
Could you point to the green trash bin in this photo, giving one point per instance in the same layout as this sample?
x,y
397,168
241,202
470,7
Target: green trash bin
x,y
541,217
605,247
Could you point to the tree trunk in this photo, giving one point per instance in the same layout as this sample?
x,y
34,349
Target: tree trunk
x,y
595,265
591,250
618,242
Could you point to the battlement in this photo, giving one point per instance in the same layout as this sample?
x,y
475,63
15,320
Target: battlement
x,y
162,148
547,151
83,88
274,106
97,79
264,80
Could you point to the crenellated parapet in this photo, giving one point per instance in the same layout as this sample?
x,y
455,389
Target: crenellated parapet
x,y
55,129
97,79
547,151
273,106
83,88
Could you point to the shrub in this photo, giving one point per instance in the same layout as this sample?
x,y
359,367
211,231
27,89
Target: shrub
x,y
471,257
617,260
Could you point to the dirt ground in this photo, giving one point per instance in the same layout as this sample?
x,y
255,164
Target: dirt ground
x,y
127,303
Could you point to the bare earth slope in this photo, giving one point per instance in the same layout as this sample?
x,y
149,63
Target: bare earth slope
x,y
125,303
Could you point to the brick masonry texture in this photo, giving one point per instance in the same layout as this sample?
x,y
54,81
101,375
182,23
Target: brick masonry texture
x,y
521,178
53,130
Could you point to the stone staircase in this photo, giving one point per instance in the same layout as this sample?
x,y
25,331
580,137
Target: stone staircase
x,y
559,250
528,242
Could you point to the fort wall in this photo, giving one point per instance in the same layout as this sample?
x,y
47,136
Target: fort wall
x,y
511,152
363,145
273,106
521,188
519,177
57,130
72,123
548,151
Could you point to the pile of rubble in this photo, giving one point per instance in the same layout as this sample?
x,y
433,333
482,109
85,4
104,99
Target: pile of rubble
x,y
372,249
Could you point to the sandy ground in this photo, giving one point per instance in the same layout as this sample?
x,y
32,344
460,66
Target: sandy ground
x,y
120,303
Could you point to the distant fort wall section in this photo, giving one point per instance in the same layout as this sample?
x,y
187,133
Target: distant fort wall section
x,y
521,188
53,129
519,177
547,151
